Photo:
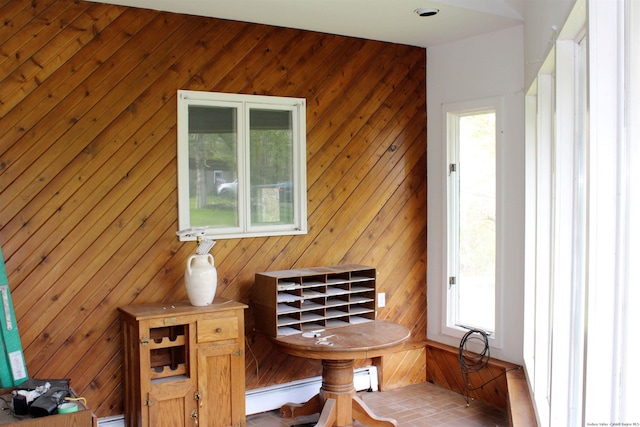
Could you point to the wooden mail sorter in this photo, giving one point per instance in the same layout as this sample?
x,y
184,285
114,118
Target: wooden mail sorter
x,y
291,301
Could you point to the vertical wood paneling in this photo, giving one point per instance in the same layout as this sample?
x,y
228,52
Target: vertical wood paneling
x,y
88,194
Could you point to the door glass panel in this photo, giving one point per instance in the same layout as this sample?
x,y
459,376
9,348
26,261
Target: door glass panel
x,y
477,257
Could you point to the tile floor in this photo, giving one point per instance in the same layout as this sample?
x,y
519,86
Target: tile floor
x,y
418,405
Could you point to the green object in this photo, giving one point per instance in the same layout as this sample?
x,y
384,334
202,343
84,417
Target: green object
x,y
67,408
13,369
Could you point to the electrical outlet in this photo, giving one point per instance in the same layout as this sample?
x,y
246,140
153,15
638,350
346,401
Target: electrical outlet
x,y
382,299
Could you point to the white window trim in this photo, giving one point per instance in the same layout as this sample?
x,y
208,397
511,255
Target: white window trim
x,y
243,102
540,249
497,103
555,260
608,255
631,276
584,373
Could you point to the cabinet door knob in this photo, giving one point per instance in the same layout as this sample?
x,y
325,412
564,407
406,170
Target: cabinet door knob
x,y
218,330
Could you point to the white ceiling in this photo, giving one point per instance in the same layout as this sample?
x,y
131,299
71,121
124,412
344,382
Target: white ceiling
x,y
387,20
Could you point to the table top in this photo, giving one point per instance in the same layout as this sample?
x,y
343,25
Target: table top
x,y
355,341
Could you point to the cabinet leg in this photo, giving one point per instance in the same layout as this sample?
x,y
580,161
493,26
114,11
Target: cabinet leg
x,y
362,413
293,410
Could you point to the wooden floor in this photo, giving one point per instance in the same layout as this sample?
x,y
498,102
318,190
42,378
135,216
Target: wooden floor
x,y
418,405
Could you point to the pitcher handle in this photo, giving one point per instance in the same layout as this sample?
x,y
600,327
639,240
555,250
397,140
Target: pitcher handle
x,y
191,258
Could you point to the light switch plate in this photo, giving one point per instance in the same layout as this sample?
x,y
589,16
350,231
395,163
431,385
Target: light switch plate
x,y
382,299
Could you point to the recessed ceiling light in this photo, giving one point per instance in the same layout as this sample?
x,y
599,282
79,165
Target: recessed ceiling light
x,y
426,11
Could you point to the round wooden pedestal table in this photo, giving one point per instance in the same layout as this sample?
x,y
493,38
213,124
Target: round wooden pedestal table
x,y
338,347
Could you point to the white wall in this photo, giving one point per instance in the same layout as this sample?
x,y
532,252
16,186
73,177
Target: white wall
x,y
544,19
485,66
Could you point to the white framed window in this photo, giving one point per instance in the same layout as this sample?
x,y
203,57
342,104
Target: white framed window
x,y
473,131
241,164
555,294
578,298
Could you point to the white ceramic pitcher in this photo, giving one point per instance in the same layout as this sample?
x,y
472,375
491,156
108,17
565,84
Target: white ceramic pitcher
x,y
201,279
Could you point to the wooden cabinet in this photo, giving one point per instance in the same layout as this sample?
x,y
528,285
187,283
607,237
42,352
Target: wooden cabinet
x,y
292,301
184,365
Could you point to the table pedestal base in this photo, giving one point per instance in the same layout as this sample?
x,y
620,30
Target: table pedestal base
x,y
337,401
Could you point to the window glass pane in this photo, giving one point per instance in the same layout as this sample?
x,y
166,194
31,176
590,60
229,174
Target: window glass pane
x,y
213,166
271,166
477,232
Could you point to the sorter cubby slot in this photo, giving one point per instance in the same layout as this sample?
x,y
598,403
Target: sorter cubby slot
x,y
338,290
363,275
292,319
339,301
313,293
359,310
313,304
288,285
312,316
294,301
314,281
313,326
333,279
289,330
357,319
360,299
340,321
337,312
287,308
288,297
359,287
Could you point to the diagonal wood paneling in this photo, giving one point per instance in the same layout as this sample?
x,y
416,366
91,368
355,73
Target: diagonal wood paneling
x,y
88,175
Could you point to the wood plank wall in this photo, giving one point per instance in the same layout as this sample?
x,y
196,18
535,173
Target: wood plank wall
x,y
488,384
88,210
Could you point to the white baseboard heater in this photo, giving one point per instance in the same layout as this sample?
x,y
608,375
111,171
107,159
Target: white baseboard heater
x,y
273,397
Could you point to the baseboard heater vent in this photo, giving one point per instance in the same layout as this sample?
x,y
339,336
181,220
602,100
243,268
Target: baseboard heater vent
x,y
273,397
115,421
